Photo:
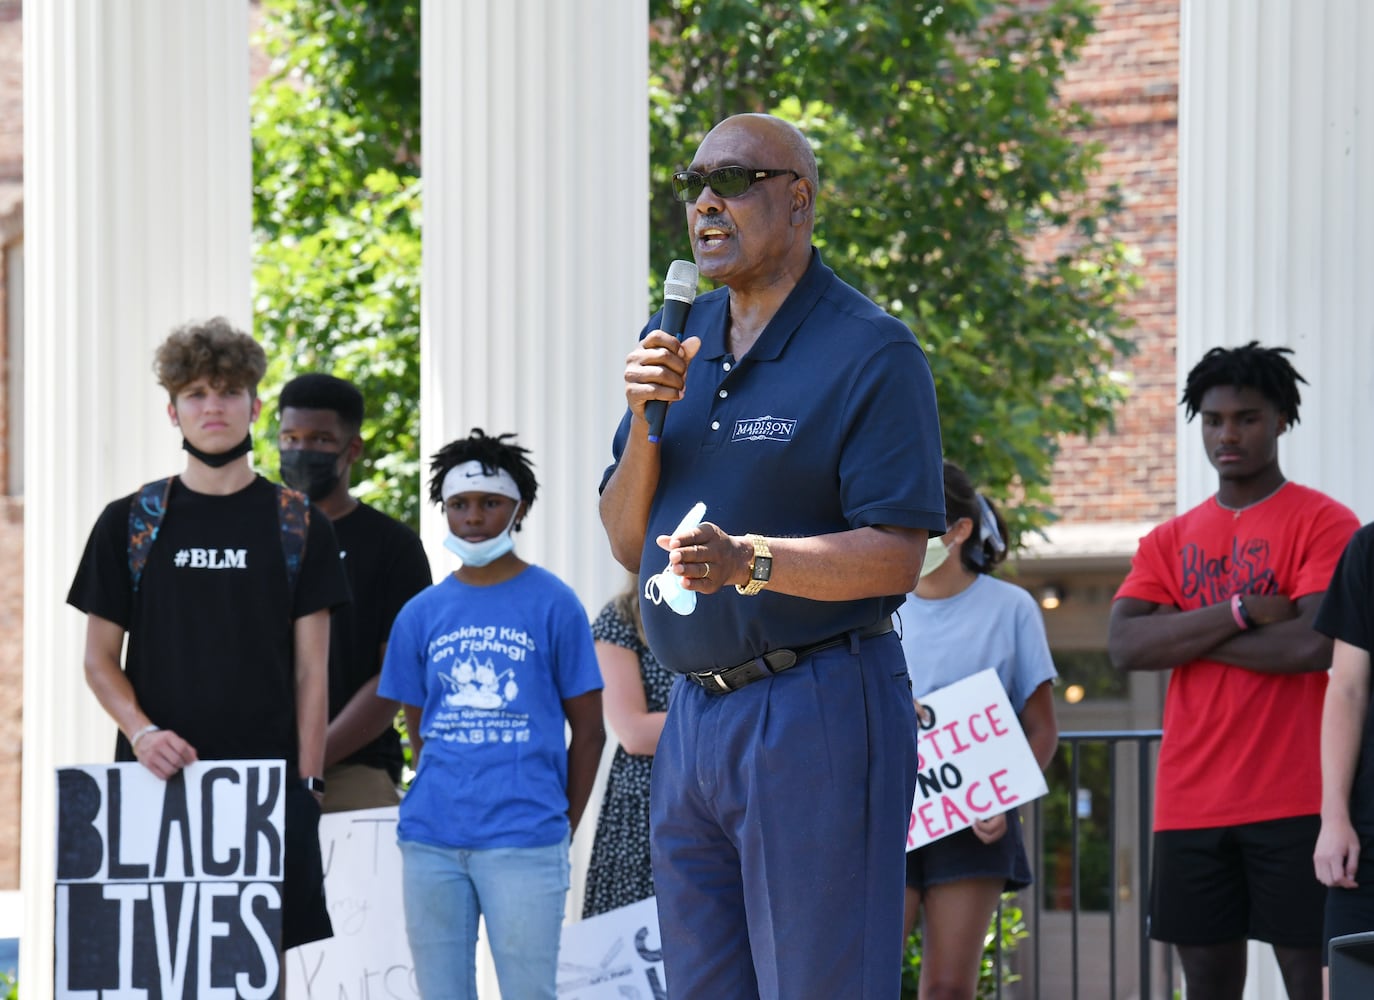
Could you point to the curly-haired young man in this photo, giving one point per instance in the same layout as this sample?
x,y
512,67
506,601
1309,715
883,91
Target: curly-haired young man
x,y
227,624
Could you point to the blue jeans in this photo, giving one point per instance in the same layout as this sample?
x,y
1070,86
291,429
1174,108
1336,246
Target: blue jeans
x,y
520,890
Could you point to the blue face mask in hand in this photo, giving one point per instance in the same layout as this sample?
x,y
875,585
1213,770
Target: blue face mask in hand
x,y
666,587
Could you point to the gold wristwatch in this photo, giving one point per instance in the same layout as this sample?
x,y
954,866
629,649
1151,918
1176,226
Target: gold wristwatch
x,y
760,567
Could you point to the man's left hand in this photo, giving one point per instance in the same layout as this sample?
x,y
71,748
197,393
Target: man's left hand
x,y
707,559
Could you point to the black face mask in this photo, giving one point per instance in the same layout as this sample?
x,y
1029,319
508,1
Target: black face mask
x,y
311,472
224,457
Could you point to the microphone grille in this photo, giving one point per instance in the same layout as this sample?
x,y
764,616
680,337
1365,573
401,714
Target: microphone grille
x,y
681,283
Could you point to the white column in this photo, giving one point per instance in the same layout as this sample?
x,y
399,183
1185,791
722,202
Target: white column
x,y
1276,235
137,173
1276,219
536,146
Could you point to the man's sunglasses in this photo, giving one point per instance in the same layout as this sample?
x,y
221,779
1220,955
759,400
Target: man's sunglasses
x,y
727,182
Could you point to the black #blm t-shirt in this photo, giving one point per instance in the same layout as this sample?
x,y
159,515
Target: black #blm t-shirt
x,y
211,645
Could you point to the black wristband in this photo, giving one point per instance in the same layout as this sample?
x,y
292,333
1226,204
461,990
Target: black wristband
x,y
314,785
1245,613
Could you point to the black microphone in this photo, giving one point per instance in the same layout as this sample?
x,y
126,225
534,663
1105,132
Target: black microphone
x,y
679,290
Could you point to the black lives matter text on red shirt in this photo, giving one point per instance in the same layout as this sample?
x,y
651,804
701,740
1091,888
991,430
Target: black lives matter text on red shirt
x,y
170,889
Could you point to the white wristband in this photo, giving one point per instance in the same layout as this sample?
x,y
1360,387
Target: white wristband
x,y
149,728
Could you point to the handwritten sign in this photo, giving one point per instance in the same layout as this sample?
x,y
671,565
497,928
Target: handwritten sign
x,y
613,956
974,761
368,958
169,889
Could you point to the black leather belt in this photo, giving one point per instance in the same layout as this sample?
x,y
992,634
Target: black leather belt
x,y
775,661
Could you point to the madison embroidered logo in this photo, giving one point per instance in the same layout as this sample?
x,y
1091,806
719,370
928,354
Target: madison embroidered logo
x,y
764,429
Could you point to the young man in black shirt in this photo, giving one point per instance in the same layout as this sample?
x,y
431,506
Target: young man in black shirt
x,y
227,619
319,438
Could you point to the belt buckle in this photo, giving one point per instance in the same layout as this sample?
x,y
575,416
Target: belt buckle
x,y
711,681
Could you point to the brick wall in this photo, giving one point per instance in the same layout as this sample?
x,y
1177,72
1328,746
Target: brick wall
x,y
1128,78
11,508
11,103
11,196
11,684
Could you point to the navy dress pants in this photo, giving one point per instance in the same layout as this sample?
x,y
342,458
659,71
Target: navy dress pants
x,y
779,817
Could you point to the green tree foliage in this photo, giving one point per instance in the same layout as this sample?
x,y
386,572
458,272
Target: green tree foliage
x,y
954,191
336,218
1006,931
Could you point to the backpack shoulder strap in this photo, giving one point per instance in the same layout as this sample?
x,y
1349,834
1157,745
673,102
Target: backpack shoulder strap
x,y
293,514
146,513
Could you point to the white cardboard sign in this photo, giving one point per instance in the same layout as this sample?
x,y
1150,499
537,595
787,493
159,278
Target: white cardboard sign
x,y
613,956
974,760
368,958
610,956
169,889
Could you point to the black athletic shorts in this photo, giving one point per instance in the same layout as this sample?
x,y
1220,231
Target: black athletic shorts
x,y
1231,883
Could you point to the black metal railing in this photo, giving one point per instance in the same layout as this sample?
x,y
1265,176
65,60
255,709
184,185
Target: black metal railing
x,y
1071,817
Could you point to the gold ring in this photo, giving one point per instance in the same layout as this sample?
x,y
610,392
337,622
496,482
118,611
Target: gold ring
x,y
708,571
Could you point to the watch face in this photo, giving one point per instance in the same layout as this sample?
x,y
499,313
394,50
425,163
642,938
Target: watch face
x,y
763,568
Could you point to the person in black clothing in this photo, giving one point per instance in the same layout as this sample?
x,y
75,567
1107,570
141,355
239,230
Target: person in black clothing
x,y
228,631
1344,855
319,438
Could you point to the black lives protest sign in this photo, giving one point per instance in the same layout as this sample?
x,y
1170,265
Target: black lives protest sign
x,y
169,889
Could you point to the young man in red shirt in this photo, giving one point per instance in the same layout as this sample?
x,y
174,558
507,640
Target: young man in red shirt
x,y
1224,595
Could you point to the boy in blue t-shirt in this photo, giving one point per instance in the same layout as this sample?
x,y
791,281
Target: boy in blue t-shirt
x,y
489,664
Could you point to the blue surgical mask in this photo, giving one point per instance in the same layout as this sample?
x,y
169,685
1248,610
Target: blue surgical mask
x,y
485,552
666,588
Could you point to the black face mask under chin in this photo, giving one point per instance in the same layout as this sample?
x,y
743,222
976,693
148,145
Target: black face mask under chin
x,y
311,472
224,457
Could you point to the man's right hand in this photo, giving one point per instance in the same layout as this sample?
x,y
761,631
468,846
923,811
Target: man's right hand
x,y
164,753
657,369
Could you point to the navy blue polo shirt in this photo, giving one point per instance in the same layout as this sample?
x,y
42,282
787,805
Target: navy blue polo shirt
x,y
827,424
